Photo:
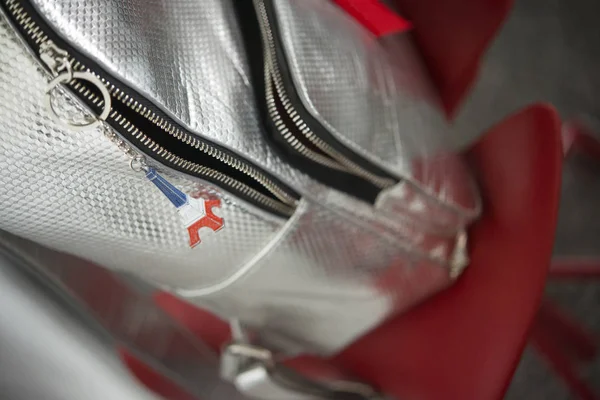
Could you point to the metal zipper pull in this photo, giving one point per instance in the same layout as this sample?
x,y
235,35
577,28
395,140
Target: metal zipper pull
x,y
195,213
57,61
55,58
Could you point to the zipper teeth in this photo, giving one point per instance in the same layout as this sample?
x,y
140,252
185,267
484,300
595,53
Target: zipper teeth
x,y
339,162
288,202
197,168
191,140
287,134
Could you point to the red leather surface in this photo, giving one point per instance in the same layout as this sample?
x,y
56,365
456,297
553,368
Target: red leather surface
x,y
466,342
452,36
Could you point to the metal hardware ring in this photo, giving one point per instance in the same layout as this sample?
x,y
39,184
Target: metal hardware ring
x,y
138,164
66,77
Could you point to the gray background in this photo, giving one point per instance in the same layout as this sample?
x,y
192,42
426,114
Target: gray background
x,y
550,50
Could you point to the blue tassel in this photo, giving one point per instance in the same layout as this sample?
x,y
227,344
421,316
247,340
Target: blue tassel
x,y
176,196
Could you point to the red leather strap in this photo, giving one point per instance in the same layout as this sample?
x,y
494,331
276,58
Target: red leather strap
x,y
375,16
452,36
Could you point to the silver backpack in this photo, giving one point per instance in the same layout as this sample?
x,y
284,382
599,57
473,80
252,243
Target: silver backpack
x,y
266,160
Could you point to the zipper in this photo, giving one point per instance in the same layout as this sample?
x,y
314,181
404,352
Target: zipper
x,y
143,125
292,123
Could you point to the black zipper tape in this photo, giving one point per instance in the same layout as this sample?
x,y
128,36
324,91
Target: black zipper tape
x,y
343,181
165,140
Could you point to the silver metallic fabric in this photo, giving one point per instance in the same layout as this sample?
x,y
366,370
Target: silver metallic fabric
x,y
349,83
378,101
119,312
186,56
327,266
313,283
47,354
74,191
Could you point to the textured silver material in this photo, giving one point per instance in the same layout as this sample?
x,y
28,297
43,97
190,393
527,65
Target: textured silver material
x,y
74,191
379,103
313,283
326,266
47,354
133,321
121,313
185,55
382,110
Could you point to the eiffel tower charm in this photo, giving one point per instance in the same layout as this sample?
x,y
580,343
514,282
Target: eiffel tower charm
x,y
195,213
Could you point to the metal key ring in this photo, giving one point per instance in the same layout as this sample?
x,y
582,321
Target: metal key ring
x,y
138,164
65,77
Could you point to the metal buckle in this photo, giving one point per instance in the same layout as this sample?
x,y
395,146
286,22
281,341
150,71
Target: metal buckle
x,y
254,372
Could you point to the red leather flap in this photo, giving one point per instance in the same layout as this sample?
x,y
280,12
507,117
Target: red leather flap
x,y
375,16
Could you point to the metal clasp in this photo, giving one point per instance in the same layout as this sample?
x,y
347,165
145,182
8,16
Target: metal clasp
x,y
460,258
55,58
254,372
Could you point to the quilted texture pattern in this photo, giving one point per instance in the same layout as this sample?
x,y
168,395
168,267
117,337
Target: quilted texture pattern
x,y
382,110
187,57
327,266
74,191
377,101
